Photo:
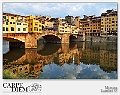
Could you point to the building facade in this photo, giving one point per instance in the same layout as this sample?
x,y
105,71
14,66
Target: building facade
x,y
69,19
104,25
33,24
14,23
109,23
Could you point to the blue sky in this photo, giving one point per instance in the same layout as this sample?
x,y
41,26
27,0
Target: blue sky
x,y
58,9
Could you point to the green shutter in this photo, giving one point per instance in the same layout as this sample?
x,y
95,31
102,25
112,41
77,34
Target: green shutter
x,y
3,28
18,29
24,29
6,23
4,17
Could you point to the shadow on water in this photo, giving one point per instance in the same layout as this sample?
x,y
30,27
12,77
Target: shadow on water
x,y
49,49
13,54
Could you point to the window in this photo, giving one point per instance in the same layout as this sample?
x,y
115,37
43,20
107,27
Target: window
x,y
12,17
6,28
112,21
31,23
112,28
3,28
112,18
24,29
116,24
39,29
39,25
13,22
12,28
31,29
6,23
18,29
10,22
116,21
24,24
20,69
18,23
101,28
4,17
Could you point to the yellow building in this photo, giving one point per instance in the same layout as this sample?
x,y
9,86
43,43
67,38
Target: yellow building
x,y
95,26
85,26
109,22
48,25
66,28
74,29
13,23
9,23
77,21
80,32
21,25
91,25
33,24
5,23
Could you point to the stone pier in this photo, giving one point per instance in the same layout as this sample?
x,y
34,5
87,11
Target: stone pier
x,y
65,38
65,47
31,55
31,40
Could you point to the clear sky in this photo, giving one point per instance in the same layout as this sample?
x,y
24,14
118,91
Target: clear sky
x,y
58,9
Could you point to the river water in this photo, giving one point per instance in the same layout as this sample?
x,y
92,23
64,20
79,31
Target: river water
x,y
78,60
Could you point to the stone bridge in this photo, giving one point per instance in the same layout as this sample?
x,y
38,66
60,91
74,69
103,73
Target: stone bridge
x,y
30,39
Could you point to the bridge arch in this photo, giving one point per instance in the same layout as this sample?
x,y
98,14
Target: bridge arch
x,y
14,37
72,37
50,37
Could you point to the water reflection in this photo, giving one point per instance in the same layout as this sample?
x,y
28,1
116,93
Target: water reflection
x,y
83,60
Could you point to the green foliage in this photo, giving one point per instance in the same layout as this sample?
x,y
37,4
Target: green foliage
x,y
9,75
